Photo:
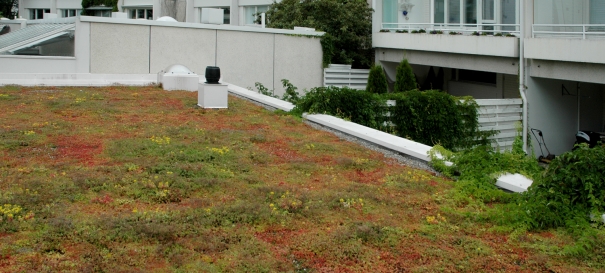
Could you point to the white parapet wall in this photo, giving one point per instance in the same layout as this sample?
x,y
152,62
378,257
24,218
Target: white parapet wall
x,y
245,55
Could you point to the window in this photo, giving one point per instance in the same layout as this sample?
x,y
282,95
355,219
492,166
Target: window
x,y
476,76
389,13
141,13
455,11
597,12
253,14
35,14
226,14
69,13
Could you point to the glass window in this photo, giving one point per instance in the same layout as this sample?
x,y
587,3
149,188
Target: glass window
x,y
69,13
149,14
453,11
36,14
509,13
597,12
488,10
470,11
227,16
140,13
439,11
389,13
252,14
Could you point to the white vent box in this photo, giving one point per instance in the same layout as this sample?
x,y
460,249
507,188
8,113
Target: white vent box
x,y
212,95
178,77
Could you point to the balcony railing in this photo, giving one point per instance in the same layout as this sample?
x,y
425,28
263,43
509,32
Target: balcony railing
x,y
467,29
572,31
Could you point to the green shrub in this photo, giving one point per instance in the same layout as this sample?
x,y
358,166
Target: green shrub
x,y
377,81
573,185
434,117
357,106
405,79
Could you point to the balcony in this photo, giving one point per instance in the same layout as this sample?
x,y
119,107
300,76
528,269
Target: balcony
x,y
567,42
477,39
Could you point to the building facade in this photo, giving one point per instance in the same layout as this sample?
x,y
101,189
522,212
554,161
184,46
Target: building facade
x,y
548,52
236,12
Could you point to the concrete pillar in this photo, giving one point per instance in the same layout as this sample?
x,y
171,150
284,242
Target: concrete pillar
x,y
157,9
234,16
53,6
22,10
189,12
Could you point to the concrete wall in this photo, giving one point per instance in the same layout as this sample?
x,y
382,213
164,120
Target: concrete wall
x,y
504,65
298,66
477,90
510,86
573,71
556,112
119,49
462,44
570,50
37,64
245,55
246,58
193,48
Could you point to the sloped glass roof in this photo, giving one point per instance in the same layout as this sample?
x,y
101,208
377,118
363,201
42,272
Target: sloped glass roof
x,y
32,34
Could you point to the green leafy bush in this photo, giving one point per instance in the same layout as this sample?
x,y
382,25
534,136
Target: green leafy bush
x,y
573,185
435,117
357,106
478,168
377,81
348,24
405,79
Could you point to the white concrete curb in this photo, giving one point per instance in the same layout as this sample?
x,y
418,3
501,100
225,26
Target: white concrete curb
x,y
395,143
260,98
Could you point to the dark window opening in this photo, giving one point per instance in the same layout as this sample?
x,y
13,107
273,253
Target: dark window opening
x,y
476,76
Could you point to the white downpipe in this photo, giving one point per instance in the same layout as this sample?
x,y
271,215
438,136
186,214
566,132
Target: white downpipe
x,y
522,72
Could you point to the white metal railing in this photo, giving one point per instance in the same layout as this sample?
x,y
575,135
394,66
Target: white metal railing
x,y
568,31
467,29
342,75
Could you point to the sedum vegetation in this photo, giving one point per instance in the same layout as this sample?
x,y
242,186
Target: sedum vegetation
x,y
121,179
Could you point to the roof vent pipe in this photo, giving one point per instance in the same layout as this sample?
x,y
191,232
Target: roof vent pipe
x,y
213,74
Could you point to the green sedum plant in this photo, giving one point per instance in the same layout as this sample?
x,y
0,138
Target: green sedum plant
x,y
405,79
377,81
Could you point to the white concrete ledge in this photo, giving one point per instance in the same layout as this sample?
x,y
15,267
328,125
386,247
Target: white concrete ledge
x,y
513,182
395,143
77,79
260,98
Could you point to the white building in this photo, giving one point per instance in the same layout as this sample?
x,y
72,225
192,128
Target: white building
x,y
558,42
236,12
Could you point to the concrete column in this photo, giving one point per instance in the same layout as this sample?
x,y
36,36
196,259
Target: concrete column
x,y
189,12
53,6
234,16
377,17
157,9
529,17
22,10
